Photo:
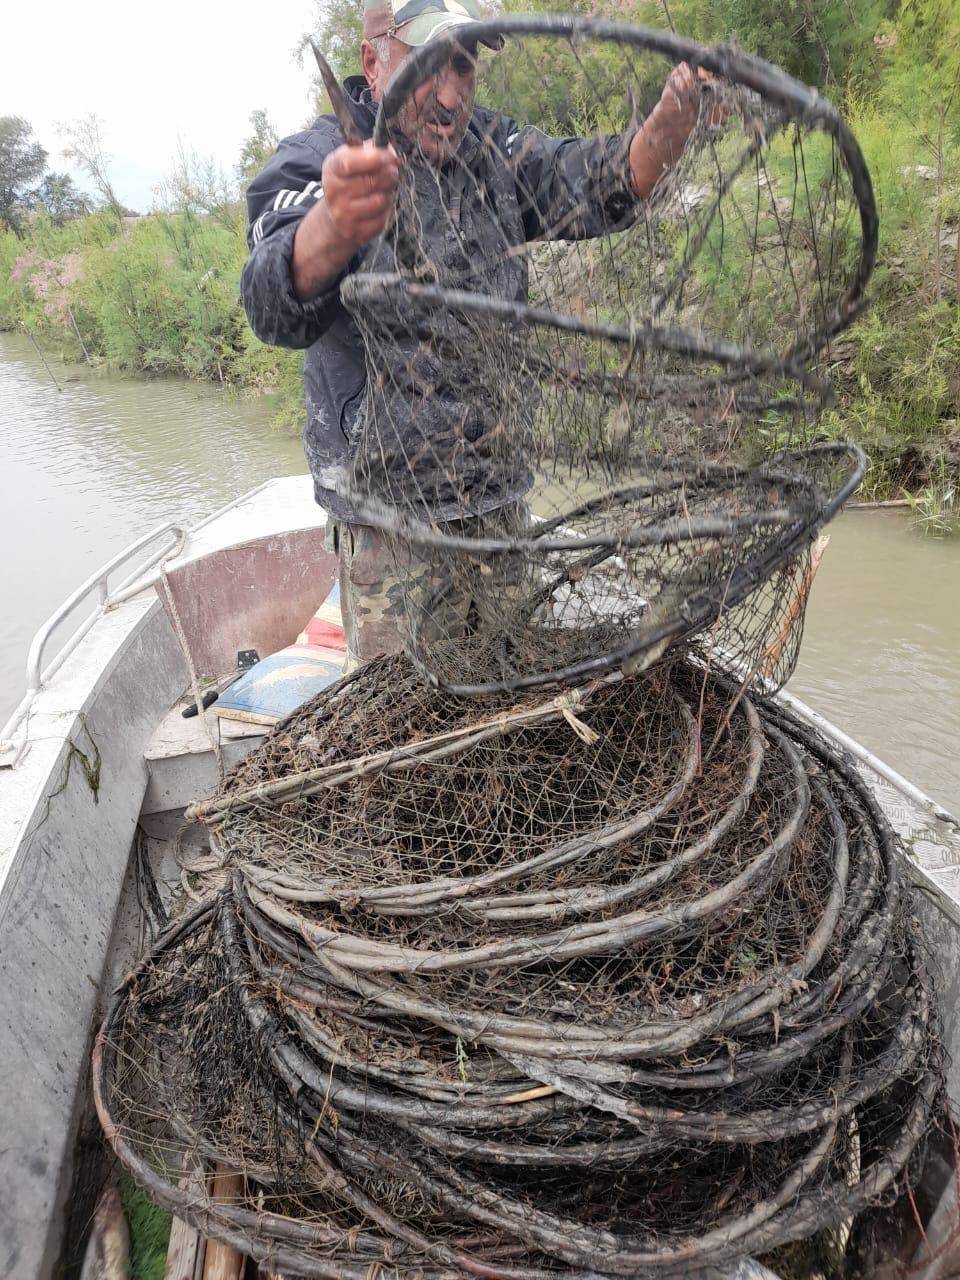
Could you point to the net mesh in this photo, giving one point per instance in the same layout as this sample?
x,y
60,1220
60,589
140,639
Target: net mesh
x,y
555,382
515,992
615,977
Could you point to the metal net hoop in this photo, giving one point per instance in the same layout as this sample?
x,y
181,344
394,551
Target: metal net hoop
x,y
508,377
612,582
797,100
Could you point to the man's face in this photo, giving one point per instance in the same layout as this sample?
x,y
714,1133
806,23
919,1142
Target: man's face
x,y
436,116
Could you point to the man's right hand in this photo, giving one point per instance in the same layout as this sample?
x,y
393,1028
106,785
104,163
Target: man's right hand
x,y
358,186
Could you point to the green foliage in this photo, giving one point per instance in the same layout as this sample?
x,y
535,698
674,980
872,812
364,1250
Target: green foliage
x,y
158,295
538,82
936,507
258,148
22,161
905,370
827,43
85,149
59,198
198,186
337,30
924,58
149,1228
162,297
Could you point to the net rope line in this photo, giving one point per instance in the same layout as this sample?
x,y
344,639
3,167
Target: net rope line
x,y
527,374
898,1051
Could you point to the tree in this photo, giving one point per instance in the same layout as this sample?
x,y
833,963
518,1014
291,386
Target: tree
x,y
338,30
22,161
258,148
925,71
58,196
86,151
198,185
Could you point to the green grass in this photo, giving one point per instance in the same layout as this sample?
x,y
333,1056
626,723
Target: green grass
x,y
936,507
149,1232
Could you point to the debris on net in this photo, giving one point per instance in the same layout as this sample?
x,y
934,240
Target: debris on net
x,y
551,409
614,581
518,993
617,977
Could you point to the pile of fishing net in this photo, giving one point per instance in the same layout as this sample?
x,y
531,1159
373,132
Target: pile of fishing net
x,y
553,947
619,983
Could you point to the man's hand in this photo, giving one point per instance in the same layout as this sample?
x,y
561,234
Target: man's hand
x,y
358,186
659,142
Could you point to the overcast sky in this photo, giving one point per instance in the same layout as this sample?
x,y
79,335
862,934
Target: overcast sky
x,y
184,69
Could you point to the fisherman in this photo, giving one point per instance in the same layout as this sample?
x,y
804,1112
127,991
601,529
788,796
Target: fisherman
x,y
319,207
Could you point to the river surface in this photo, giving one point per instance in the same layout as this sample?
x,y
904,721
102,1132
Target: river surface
x,y
85,470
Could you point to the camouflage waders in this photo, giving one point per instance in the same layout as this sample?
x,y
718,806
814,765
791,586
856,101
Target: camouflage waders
x,y
389,591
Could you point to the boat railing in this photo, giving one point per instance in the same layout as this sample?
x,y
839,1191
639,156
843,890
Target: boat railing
x,y
140,577
143,575
931,808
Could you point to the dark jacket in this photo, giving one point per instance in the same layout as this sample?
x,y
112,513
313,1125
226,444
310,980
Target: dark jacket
x,y
506,185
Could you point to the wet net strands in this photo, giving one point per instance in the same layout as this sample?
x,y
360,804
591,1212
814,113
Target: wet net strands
x,y
612,583
554,947
706,1032
556,389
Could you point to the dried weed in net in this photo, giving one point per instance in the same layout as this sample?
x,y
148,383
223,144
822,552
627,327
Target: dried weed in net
x,y
553,363
379,781
616,982
708,1038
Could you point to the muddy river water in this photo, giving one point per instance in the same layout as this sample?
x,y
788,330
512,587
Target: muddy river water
x,y
85,470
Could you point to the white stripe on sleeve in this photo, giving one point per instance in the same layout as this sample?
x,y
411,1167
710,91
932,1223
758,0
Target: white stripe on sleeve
x,y
304,193
286,199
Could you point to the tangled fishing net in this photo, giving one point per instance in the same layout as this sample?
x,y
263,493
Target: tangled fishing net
x,y
552,406
616,978
618,983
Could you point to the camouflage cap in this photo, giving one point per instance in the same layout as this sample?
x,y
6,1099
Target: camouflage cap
x,y
416,22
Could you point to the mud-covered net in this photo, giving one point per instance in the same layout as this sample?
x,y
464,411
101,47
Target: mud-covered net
x,y
621,983
555,366
616,978
673,551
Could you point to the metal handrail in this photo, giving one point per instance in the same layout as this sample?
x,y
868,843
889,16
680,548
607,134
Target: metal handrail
x,y
909,790
134,582
142,576
863,755
98,581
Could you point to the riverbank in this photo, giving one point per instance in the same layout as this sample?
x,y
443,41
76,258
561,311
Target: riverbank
x,y
86,470
159,294
151,295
